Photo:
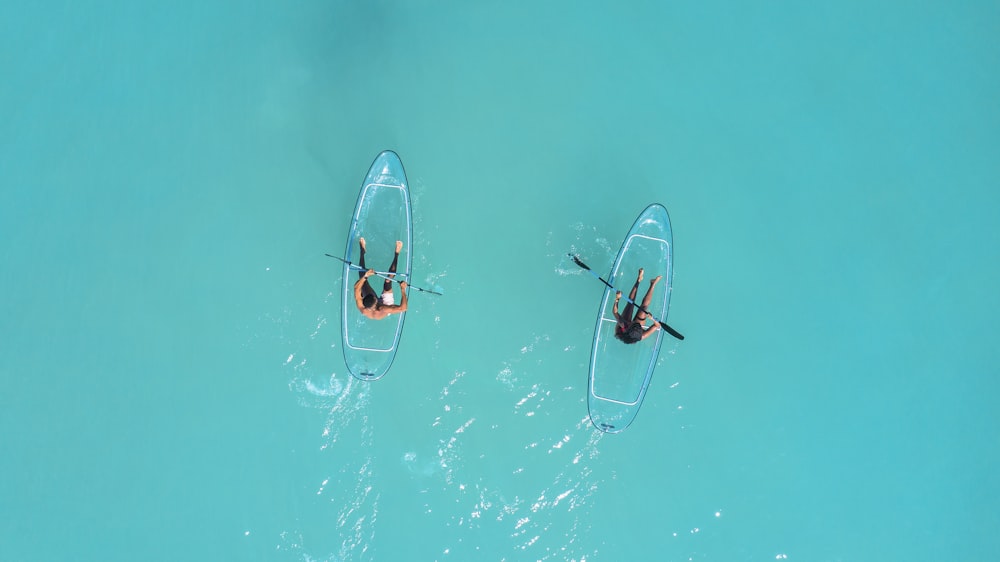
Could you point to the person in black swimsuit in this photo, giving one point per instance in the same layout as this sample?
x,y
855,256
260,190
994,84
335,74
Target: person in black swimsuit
x,y
631,329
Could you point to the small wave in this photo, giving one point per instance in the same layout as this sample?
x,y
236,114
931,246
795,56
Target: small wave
x,y
331,389
584,241
421,468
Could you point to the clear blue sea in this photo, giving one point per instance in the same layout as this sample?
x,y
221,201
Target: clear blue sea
x,y
172,384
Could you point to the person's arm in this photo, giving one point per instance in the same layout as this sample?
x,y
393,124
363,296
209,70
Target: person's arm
x,y
402,289
651,329
357,291
614,309
357,287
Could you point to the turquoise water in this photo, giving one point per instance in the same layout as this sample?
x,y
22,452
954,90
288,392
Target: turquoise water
x,y
171,380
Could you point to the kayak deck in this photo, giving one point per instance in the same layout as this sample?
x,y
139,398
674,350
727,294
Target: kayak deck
x,y
620,373
382,216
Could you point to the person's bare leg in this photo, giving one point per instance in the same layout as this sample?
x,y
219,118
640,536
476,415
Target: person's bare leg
x,y
635,287
648,298
361,260
630,307
387,286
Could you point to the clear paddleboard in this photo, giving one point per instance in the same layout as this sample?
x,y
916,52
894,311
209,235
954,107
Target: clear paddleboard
x,y
382,216
620,372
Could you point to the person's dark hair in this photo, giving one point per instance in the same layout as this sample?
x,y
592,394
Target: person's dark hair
x,y
369,300
631,335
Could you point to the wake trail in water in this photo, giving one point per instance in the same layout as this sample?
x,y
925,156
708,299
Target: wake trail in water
x,y
533,495
345,443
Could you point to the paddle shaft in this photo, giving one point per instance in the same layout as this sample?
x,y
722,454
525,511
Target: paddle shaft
x,y
383,274
662,324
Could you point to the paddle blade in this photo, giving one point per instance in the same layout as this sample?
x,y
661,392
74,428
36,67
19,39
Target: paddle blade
x,y
578,262
671,331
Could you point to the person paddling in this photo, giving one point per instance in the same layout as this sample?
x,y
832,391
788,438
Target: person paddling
x,y
371,304
631,329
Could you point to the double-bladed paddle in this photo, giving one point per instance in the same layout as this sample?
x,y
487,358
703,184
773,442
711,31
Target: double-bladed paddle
x,y
384,275
663,325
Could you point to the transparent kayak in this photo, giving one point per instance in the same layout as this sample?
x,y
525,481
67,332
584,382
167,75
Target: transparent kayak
x,y
620,372
382,216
